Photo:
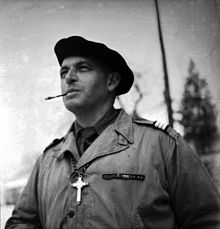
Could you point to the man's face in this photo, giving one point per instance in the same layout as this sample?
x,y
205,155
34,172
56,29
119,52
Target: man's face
x,y
87,79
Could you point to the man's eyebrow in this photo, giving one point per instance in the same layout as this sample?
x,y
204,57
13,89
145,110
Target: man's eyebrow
x,y
82,62
64,67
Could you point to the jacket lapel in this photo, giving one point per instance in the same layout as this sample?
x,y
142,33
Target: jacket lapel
x,y
70,146
113,139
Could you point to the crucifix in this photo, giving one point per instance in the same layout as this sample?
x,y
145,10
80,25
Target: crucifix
x,y
79,184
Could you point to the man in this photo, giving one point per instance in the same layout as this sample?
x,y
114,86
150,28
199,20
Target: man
x,y
112,170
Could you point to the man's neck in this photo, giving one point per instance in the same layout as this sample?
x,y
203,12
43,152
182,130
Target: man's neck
x,y
91,117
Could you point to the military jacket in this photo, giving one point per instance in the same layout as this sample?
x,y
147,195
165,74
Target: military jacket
x,y
139,175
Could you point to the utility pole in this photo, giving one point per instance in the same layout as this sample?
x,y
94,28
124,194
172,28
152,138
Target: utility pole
x,y
166,79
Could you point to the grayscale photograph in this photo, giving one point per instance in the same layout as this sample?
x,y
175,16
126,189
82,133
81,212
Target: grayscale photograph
x,y
110,114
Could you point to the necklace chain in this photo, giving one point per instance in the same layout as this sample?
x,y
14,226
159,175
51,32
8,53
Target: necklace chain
x,y
77,172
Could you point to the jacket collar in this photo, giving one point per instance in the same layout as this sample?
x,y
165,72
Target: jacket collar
x,y
124,127
114,138
68,145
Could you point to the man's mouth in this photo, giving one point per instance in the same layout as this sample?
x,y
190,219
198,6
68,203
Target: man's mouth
x,y
70,91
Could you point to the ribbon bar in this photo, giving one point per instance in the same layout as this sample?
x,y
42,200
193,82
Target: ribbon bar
x,y
123,176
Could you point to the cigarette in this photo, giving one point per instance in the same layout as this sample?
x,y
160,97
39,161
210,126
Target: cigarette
x,y
53,97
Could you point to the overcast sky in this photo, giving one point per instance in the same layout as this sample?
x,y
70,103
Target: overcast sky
x,y
29,69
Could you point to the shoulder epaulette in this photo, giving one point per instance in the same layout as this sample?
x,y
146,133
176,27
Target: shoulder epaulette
x,y
157,125
140,120
53,143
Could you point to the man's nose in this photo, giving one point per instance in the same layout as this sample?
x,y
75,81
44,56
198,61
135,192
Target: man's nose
x,y
71,76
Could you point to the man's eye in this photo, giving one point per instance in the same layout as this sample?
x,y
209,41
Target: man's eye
x,y
63,73
84,68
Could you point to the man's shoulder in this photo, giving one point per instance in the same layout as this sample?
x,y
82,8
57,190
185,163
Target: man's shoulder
x,y
156,125
55,143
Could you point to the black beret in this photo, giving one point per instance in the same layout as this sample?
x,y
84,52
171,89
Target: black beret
x,y
79,46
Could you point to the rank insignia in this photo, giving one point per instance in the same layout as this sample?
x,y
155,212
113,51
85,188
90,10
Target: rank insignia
x,y
160,125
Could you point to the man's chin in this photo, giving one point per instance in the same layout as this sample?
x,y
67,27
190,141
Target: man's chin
x,y
73,107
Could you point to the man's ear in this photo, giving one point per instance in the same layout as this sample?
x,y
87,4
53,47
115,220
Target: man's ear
x,y
114,79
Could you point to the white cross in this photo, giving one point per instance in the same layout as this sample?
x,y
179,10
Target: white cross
x,y
79,184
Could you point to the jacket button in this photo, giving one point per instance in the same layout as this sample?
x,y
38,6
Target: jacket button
x,y
71,214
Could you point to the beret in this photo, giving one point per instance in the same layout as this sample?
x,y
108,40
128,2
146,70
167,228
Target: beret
x,y
79,46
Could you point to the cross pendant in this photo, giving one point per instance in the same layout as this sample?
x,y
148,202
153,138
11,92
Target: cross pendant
x,y
79,184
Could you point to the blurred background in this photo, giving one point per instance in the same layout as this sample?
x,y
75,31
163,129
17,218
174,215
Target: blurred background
x,y
173,47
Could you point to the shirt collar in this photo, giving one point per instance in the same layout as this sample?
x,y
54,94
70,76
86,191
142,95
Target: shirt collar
x,y
106,120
